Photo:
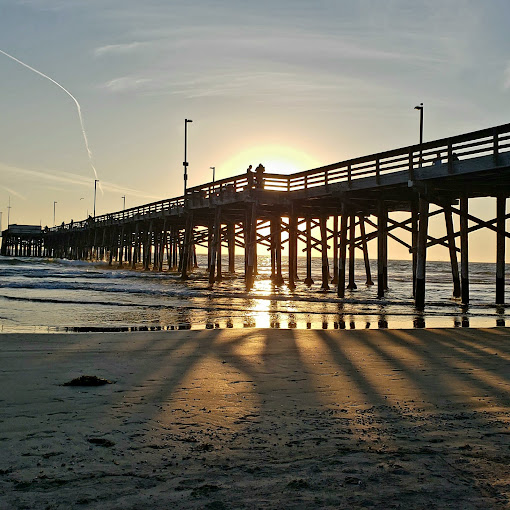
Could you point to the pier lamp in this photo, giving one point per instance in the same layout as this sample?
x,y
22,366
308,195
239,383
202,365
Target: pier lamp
x,y
95,192
213,168
420,108
185,164
124,198
54,203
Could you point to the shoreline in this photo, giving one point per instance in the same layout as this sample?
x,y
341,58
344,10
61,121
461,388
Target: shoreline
x,y
257,418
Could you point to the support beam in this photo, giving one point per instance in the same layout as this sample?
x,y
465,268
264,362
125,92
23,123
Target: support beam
x,y
381,248
278,280
352,246
219,269
250,233
216,233
366,258
308,279
453,251
231,240
422,253
187,246
343,253
500,250
324,253
293,226
334,281
464,255
414,240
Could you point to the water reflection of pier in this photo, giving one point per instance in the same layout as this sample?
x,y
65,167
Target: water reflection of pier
x,y
334,210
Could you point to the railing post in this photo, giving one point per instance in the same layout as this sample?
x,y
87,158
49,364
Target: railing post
x,y
411,166
495,155
377,172
450,157
306,181
349,176
326,177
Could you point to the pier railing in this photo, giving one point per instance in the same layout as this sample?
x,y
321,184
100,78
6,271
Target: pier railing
x,y
491,141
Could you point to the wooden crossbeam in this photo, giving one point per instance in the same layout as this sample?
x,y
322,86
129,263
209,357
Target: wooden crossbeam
x,y
481,224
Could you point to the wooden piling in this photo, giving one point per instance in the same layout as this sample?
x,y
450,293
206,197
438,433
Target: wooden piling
x,y
308,279
250,234
343,253
364,245
121,248
452,250
162,246
414,240
219,269
422,253
272,229
382,222
324,253
352,247
293,226
186,247
215,243
500,249
231,240
278,251
334,281
464,257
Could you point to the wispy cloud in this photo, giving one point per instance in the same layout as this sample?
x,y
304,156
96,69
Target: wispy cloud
x,y
13,192
74,179
116,49
127,83
506,77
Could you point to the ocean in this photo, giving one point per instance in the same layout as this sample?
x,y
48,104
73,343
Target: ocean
x,y
41,295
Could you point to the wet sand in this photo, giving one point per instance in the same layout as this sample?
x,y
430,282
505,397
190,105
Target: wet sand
x,y
269,419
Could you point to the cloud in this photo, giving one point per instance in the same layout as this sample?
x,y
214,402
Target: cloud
x,y
116,49
127,83
70,178
13,192
506,82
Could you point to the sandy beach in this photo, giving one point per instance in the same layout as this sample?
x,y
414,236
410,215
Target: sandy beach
x,y
254,418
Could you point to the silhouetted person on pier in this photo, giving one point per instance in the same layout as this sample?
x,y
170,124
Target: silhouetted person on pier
x,y
437,160
249,177
259,172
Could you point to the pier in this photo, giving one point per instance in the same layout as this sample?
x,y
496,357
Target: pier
x,y
336,209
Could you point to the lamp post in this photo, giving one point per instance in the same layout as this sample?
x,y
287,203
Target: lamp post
x,y
95,190
124,198
54,203
213,168
420,107
9,212
185,164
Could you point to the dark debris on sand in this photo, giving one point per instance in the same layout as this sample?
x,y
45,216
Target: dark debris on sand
x,y
88,380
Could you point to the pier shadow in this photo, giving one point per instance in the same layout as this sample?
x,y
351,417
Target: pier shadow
x,y
338,418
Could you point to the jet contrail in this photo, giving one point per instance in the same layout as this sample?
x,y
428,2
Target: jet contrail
x,y
71,96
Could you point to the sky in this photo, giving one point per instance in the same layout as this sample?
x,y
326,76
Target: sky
x,y
292,84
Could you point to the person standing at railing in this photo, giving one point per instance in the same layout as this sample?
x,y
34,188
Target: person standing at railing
x,y
249,177
259,172
437,160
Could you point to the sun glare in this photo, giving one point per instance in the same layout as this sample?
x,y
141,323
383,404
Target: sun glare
x,y
278,159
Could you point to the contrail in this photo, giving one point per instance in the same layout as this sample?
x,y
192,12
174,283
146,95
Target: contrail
x,y
71,96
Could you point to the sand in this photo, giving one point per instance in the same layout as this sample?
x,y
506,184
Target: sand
x,y
221,419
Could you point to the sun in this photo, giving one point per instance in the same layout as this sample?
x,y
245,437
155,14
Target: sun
x,y
278,159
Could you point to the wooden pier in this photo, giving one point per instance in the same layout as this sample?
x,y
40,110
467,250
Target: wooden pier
x,y
338,209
